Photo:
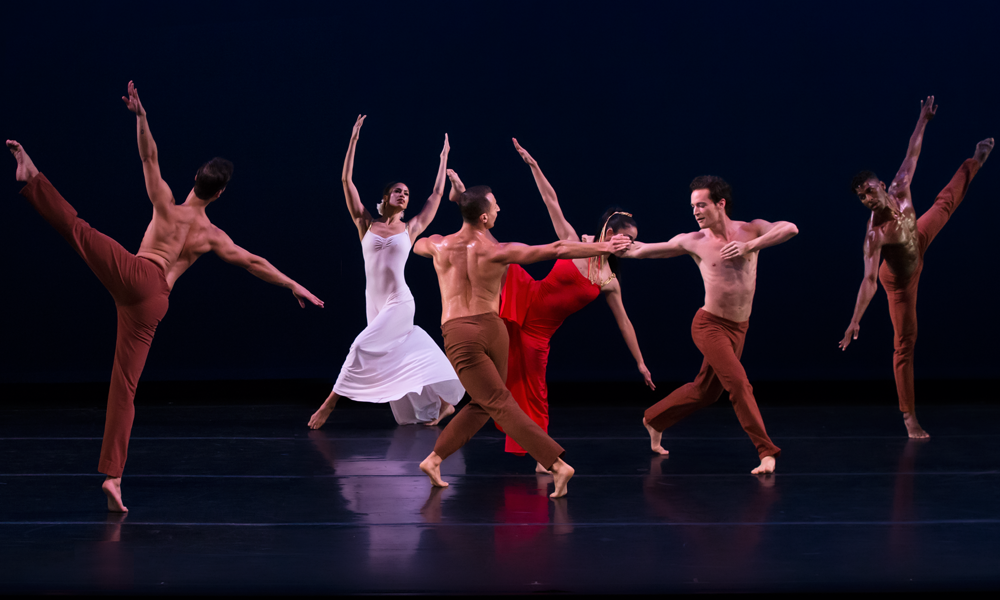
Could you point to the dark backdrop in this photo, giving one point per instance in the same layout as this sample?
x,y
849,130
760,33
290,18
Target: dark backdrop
x,y
621,103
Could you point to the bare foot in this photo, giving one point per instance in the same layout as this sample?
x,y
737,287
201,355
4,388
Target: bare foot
x,y
446,409
320,416
112,487
913,428
25,168
655,438
766,466
541,470
432,468
983,150
562,473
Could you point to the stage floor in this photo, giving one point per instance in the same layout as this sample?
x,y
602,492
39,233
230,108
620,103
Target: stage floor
x,y
245,499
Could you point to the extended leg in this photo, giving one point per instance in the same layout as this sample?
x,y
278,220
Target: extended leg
x,y
930,223
903,313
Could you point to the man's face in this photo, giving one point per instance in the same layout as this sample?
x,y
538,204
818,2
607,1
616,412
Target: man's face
x,y
491,214
706,212
399,197
872,194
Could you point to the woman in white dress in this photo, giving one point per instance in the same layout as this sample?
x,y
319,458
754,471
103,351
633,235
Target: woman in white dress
x,y
393,360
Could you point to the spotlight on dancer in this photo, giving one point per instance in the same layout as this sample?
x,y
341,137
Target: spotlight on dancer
x,y
393,360
470,264
726,253
898,239
140,283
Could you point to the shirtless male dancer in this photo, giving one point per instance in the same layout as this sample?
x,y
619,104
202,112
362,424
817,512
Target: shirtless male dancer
x,y
470,264
726,253
899,239
140,283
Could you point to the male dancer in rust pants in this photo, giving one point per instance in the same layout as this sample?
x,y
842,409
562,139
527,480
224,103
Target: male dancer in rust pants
x,y
140,283
897,237
470,264
726,254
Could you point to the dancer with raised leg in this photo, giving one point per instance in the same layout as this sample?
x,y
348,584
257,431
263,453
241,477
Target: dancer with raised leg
x,y
393,360
140,283
533,310
726,253
470,264
898,239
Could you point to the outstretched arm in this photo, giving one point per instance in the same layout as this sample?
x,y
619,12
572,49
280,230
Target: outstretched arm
x,y
904,177
613,294
869,285
522,254
563,229
362,218
419,223
669,249
457,187
768,234
157,189
228,251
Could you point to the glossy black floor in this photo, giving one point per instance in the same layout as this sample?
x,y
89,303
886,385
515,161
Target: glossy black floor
x,y
234,499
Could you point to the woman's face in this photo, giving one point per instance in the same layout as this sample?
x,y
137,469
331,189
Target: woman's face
x,y
399,196
630,230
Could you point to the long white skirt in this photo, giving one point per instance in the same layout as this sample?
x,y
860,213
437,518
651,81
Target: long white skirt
x,y
395,361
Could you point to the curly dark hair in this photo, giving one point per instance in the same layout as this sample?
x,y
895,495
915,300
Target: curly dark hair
x,y
860,179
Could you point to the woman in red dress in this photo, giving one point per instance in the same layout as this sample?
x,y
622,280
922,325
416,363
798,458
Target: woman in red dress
x,y
534,310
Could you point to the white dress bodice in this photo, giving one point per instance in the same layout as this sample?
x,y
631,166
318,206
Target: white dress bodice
x,y
385,259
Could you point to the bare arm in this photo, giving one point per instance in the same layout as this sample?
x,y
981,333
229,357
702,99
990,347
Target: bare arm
x,y
768,234
157,189
522,254
419,223
869,285
613,295
563,229
362,218
904,177
424,247
669,249
457,187
259,267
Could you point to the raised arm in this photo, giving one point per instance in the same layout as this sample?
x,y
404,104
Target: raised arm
x,y
228,251
522,254
157,189
669,249
457,187
419,223
613,294
563,229
362,218
869,285
904,177
768,234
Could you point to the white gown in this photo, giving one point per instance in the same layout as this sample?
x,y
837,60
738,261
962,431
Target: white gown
x,y
393,360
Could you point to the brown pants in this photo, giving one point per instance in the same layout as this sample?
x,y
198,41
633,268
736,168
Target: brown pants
x,y
477,348
721,341
140,291
902,292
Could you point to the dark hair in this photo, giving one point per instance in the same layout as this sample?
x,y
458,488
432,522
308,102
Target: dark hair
x,y
717,188
860,179
212,177
388,188
616,219
474,203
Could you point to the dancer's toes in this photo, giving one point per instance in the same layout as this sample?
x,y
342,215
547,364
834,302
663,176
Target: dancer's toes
x,y
913,428
112,487
318,418
431,466
561,473
983,150
655,438
766,466
25,168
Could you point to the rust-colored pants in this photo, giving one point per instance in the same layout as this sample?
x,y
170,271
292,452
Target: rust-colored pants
x,y
140,291
721,341
902,292
477,348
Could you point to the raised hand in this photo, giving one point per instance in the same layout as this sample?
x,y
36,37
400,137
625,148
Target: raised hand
x,y
524,153
357,126
132,100
850,334
734,250
928,108
647,377
447,147
302,295
457,187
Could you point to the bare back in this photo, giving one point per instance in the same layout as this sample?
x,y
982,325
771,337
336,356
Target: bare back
x,y
468,274
729,283
176,236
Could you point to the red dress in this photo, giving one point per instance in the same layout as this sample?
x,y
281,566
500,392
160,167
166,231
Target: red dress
x,y
533,311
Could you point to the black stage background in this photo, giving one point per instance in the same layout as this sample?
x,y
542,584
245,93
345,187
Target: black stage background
x,y
621,103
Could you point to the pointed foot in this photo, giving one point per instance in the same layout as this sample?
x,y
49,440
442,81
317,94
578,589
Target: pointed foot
x,y
112,487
